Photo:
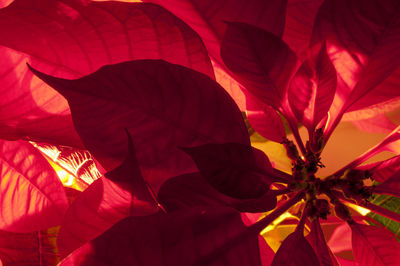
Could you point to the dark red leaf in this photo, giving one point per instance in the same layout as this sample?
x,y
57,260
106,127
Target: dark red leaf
x,y
32,196
261,61
264,119
317,240
70,40
34,248
237,170
374,246
192,190
104,203
213,236
162,105
312,89
363,44
295,250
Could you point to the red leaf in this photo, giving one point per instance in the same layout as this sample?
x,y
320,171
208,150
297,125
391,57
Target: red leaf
x,y
300,15
374,246
340,239
377,124
33,248
264,119
316,239
390,186
207,17
383,170
295,250
312,89
104,203
193,190
32,196
162,105
237,170
215,236
69,40
265,64
363,44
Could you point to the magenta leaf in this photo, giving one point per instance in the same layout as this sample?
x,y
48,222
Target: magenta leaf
x,y
376,124
312,89
390,186
264,119
265,64
295,250
32,196
237,170
300,15
33,248
162,105
207,17
192,190
374,246
104,203
317,240
70,40
383,170
340,239
212,236
362,41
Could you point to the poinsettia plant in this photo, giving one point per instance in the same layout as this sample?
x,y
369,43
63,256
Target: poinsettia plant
x,y
169,99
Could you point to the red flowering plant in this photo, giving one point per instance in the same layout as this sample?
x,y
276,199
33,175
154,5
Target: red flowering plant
x,y
181,180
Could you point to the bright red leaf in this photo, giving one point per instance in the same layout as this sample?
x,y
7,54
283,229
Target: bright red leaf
x,y
390,186
33,248
32,196
164,106
264,119
300,15
340,240
312,89
373,246
362,42
70,40
213,236
384,169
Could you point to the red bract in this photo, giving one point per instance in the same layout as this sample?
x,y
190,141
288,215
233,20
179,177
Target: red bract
x,y
185,187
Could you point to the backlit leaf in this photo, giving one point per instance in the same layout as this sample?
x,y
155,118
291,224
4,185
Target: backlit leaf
x,y
363,44
374,246
35,248
70,40
32,196
164,106
312,89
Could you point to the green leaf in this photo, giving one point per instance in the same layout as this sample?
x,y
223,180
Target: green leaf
x,y
391,203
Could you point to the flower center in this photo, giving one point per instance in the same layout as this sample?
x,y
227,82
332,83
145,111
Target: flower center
x,y
348,186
